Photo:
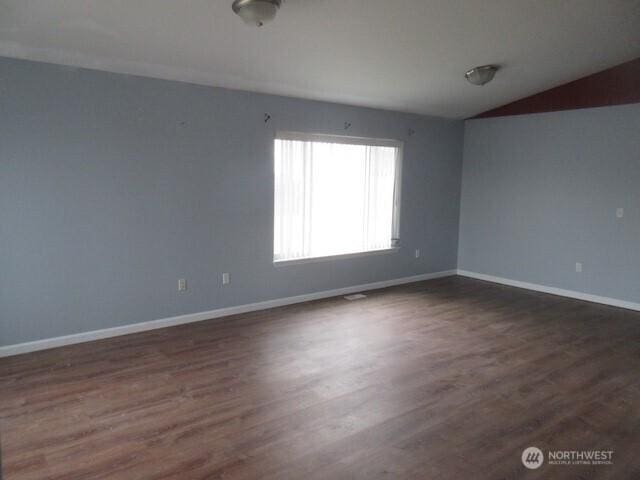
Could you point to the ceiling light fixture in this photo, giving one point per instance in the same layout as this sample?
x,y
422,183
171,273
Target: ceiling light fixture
x,y
481,75
256,12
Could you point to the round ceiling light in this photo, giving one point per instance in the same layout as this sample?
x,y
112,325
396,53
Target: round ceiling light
x,y
481,75
256,12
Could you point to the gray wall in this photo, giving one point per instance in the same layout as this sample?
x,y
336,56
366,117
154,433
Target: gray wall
x,y
112,187
540,193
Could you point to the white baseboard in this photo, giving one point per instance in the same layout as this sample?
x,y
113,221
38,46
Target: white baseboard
x,y
614,302
48,343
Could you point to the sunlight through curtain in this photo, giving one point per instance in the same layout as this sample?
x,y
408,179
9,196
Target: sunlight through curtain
x,y
333,198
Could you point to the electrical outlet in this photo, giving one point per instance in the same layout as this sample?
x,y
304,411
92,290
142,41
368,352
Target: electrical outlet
x,y
620,212
579,267
417,253
226,279
182,285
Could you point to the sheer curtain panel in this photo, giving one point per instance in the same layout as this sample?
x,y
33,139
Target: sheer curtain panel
x,y
334,195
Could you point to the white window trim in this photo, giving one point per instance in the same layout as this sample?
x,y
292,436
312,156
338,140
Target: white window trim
x,y
342,256
349,140
342,139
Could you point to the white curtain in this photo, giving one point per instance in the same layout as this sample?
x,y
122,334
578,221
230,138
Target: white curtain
x,y
333,198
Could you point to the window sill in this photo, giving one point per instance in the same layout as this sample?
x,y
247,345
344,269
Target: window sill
x,y
344,256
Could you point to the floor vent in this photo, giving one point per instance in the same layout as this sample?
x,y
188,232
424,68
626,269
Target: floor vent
x,y
356,296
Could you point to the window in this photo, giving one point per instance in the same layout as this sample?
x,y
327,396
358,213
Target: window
x,y
335,195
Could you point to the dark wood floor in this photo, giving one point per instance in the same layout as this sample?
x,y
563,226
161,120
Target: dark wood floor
x,y
445,379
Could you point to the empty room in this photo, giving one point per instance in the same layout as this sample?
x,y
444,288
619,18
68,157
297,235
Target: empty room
x,y
319,239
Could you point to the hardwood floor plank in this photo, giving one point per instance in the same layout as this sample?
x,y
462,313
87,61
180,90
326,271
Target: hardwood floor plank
x,y
444,379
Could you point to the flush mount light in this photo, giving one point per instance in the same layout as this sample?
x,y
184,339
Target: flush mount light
x,y
256,12
481,75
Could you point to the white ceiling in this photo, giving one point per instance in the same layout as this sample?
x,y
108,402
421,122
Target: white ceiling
x,y
407,55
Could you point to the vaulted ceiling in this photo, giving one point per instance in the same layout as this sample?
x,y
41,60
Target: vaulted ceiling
x,y
407,55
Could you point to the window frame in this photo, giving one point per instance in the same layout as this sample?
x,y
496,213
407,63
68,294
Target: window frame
x,y
397,193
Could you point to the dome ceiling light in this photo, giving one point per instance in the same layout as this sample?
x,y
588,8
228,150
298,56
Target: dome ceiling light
x,y
481,75
256,12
